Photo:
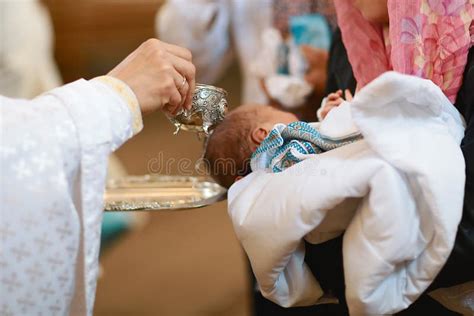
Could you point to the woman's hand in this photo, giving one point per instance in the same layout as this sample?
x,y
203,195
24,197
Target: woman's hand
x,y
161,75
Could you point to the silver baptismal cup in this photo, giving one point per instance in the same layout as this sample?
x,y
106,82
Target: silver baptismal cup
x,y
209,106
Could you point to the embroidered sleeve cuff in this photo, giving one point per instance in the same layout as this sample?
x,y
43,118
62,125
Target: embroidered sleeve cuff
x,y
128,96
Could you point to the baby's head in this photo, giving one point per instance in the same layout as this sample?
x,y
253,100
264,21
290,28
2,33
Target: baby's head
x,y
233,141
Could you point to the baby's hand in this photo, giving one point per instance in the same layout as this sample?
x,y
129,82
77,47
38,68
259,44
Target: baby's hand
x,y
334,100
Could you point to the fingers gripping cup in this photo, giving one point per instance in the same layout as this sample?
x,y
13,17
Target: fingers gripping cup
x,y
209,106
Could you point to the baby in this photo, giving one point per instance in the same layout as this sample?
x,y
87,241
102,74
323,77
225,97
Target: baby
x,y
231,144
261,137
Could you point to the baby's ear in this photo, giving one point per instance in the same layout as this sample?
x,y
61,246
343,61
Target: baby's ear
x,y
258,135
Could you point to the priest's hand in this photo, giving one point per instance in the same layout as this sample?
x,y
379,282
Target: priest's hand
x,y
161,75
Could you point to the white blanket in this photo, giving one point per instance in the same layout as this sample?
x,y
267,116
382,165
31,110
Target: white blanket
x,y
407,176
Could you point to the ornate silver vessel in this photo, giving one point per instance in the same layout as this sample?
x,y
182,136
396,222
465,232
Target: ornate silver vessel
x,y
209,106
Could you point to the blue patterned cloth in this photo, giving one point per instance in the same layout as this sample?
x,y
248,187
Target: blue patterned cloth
x,y
290,144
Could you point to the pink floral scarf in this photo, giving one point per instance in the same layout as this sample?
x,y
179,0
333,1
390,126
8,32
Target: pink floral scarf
x,y
426,38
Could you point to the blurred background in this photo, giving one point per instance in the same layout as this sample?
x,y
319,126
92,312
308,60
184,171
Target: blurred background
x,y
181,263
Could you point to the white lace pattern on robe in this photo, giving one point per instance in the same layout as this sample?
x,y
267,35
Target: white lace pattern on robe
x,y
53,161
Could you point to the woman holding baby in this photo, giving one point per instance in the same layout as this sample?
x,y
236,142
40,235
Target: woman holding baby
x,y
431,39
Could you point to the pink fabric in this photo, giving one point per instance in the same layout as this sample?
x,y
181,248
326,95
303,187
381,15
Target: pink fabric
x,y
426,38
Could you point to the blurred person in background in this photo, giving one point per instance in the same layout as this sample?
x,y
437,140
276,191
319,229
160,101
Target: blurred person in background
x,y
27,66
256,33
53,160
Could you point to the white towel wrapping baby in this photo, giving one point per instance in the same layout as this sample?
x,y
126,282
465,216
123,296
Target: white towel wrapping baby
x,y
408,172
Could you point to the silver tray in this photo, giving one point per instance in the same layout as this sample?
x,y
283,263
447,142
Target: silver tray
x,y
158,193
